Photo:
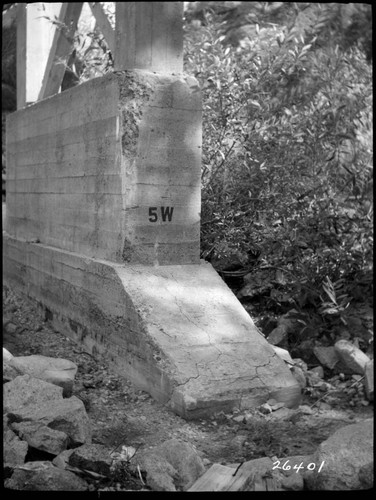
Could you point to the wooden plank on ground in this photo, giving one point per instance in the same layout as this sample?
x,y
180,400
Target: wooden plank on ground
x,y
104,24
60,50
222,478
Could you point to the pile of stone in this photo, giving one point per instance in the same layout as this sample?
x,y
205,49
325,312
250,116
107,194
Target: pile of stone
x,y
351,368
48,446
42,419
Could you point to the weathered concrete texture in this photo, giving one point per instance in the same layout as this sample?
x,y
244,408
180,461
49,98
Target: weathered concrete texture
x,y
110,169
177,332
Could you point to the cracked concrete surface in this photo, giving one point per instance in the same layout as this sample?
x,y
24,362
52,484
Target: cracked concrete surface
x,y
219,358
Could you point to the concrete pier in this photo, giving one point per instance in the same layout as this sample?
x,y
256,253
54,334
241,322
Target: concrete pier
x,y
103,230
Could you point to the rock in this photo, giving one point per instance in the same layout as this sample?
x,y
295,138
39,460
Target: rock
x,y
93,457
30,399
41,437
368,381
274,405
306,410
318,370
238,418
14,450
61,460
322,406
9,372
184,459
283,413
265,409
25,390
313,380
347,457
301,364
283,354
58,371
44,476
67,415
295,482
299,376
354,359
7,356
279,334
327,356
160,474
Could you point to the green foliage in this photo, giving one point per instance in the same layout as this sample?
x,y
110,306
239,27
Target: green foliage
x,y
287,145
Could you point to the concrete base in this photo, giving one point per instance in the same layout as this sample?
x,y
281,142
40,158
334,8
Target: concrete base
x,y
177,332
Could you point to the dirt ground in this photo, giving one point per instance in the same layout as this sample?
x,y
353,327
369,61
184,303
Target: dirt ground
x,y
122,415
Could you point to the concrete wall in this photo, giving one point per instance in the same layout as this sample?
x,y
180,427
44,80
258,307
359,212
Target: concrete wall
x,y
110,169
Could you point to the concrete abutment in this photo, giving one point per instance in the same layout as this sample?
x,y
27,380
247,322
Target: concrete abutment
x,y
103,230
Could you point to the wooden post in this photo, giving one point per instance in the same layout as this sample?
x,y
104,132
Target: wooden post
x,y
103,24
149,36
34,38
60,49
21,55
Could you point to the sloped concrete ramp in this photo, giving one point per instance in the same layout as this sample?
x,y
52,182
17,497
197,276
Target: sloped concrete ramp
x,y
177,331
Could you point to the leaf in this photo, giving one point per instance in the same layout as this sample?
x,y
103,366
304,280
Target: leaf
x,y
331,311
255,103
279,276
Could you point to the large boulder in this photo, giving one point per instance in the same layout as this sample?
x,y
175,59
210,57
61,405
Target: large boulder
x,y
185,459
41,437
26,390
58,371
347,458
34,400
14,450
354,359
44,476
160,474
93,457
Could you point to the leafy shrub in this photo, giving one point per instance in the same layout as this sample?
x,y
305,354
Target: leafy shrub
x,y
287,147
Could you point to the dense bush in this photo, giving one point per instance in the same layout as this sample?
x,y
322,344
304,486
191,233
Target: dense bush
x,y
287,147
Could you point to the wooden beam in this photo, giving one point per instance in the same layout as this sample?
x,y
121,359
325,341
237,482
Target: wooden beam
x,y
34,38
61,48
104,24
222,478
149,36
21,55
